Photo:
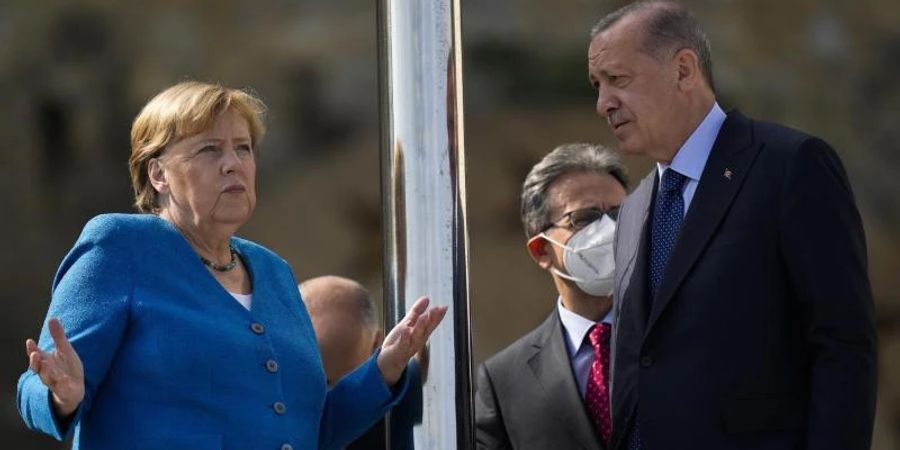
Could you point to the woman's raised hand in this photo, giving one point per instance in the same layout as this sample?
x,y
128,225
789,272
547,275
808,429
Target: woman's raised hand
x,y
407,338
60,370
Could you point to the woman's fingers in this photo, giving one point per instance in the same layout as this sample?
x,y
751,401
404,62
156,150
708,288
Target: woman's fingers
x,y
436,318
60,370
34,355
63,346
411,334
421,305
37,359
30,346
426,324
418,308
408,337
34,361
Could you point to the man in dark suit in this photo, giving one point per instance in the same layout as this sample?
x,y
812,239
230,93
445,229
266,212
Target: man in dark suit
x,y
744,316
549,389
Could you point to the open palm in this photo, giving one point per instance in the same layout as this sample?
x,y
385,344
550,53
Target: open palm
x,y
408,337
60,370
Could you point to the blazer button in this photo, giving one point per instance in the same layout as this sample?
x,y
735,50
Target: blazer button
x,y
257,328
279,407
287,447
272,366
646,361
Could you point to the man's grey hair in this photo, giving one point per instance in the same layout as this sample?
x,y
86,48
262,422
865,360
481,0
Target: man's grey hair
x,y
668,27
565,159
332,291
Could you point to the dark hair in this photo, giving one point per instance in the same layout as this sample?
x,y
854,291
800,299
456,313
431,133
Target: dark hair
x,y
565,159
668,26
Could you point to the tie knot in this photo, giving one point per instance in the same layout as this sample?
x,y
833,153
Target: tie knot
x,y
672,180
599,334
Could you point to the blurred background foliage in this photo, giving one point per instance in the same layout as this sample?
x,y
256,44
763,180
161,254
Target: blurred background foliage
x,y
74,73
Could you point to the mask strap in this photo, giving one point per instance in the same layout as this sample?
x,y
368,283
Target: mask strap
x,y
554,269
553,241
566,276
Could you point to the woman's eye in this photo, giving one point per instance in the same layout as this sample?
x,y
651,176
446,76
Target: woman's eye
x,y
244,149
208,149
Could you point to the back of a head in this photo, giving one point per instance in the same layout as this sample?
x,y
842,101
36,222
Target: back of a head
x,y
344,319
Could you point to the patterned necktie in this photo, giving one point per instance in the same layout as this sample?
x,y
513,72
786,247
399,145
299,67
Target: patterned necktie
x,y
667,218
597,395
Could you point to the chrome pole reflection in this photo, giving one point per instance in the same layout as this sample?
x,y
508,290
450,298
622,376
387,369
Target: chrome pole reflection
x,y
423,194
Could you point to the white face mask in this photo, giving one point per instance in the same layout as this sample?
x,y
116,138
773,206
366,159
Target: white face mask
x,y
589,258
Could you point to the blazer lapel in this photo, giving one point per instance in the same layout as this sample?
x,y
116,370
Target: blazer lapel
x,y
551,367
729,161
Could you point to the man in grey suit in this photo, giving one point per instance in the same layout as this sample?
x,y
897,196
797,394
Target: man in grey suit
x,y
744,317
549,389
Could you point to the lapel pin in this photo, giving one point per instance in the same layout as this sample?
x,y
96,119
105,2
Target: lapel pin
x,y
728,174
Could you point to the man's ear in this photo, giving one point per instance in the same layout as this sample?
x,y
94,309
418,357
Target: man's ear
x,y
157,176
539,251
688,66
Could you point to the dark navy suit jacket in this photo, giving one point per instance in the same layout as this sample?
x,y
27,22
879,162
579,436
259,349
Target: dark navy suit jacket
x,y
762,334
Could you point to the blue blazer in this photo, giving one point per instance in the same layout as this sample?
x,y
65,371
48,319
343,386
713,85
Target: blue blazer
x,y
405,415
172,361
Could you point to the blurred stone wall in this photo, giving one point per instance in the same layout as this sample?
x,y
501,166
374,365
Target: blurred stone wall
x,y
74,73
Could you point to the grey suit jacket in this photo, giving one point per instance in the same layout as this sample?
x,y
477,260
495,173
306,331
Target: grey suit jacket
x,y
527,399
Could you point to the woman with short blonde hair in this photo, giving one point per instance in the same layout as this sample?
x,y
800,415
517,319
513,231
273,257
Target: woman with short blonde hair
x,y
182,335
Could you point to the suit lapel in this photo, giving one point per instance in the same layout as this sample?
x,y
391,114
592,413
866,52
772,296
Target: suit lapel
x,y
725,171
631,270
551,367
630,230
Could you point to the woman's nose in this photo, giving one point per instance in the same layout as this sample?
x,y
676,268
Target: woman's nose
x,y
231,161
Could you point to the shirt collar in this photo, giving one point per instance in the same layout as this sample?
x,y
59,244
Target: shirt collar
x,y
576,326
691,157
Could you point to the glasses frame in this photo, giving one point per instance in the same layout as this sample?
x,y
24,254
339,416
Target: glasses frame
x,y
613,213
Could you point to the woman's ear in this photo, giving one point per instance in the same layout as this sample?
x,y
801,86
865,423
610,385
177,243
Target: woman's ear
x,y
537,249
157,175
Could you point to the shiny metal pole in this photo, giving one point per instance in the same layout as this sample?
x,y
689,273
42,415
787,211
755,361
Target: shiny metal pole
x,y
423,194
